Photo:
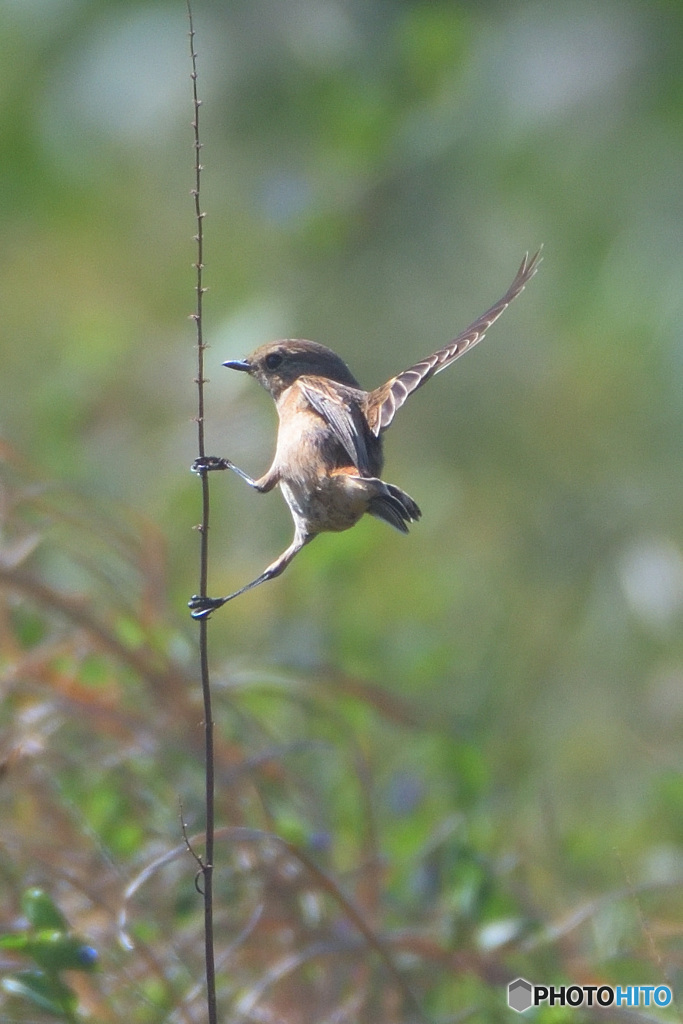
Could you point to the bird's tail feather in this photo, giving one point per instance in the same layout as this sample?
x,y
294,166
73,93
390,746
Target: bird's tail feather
x,y
394,506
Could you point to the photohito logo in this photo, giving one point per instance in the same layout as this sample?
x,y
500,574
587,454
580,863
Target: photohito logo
x,y
522,995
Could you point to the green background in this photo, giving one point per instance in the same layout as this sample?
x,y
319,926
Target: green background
x,y
374,172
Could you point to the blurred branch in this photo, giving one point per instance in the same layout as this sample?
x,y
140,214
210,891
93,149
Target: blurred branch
x,y
324,882
143,660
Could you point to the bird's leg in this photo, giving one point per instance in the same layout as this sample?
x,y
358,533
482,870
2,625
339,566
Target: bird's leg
x,y
201,607
210,463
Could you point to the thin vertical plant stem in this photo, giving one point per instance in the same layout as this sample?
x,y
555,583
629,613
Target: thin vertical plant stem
x,y
206,862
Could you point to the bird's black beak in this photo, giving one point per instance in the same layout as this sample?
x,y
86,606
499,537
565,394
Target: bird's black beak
x,y
238,364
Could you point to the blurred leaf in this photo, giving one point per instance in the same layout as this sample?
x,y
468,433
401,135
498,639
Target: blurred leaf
x,y
44,991
42,912
57,951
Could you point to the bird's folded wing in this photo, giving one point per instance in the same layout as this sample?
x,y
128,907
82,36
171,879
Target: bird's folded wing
x,y
383,402
340,407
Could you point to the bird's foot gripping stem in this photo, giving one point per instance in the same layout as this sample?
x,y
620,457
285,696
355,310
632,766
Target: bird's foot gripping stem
x,y
201,607
208,463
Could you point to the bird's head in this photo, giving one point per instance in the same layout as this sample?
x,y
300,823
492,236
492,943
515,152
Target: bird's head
x,y
278,364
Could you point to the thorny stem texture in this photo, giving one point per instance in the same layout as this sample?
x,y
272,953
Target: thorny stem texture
x,y
205,862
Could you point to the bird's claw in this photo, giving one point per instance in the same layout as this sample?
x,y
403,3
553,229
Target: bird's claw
x,y
201,607
208,463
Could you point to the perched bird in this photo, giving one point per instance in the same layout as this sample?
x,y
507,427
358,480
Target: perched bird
x,y
328,458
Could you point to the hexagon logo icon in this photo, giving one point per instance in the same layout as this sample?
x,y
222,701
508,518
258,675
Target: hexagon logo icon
x,y
519,995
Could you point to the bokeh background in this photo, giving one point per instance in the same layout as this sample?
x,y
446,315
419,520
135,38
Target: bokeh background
x,y
478,726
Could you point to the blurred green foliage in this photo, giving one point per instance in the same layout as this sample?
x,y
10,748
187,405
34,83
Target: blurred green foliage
x,y
47,942
481,722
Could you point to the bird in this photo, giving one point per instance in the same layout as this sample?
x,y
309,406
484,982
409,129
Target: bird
x,y
329,459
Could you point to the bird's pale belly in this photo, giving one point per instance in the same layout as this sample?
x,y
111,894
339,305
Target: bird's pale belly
x,y
334,502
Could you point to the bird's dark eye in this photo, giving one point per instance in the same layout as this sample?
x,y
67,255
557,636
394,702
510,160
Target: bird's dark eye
x,y
273,360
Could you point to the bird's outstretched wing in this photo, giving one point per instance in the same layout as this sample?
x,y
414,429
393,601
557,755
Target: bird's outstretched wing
x,y
383,402
341,407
